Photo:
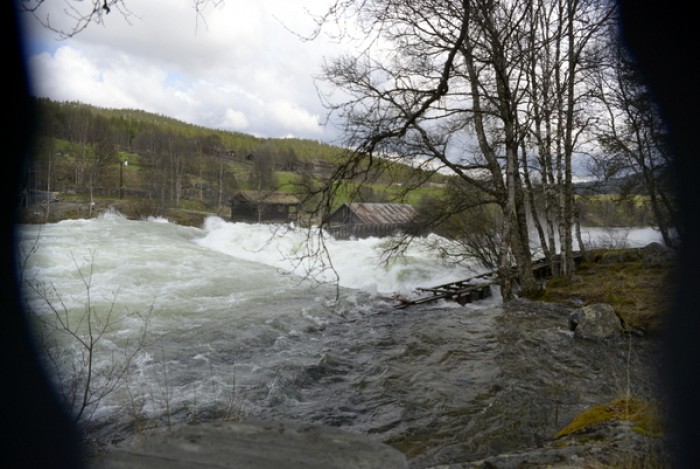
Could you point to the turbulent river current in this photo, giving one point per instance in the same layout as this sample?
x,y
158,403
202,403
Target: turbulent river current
x,y
231,321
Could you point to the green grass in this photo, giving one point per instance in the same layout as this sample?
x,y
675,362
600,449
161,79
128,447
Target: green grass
x,y
288,181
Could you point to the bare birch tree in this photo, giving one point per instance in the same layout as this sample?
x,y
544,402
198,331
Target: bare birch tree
x,y
633,138
78,123
86,368
563,42
100,156
473,87
76,16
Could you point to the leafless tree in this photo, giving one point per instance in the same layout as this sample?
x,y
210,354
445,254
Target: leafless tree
x,y
413,102
152,144
77,15
563,40
100,155
179,150
458,85
467,217
78,123
44,160
633,138
85,367
261,176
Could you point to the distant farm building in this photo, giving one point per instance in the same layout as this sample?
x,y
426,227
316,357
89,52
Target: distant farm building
x,y
363,220
260,206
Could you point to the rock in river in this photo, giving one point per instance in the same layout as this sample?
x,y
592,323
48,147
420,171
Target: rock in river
x,y
597,321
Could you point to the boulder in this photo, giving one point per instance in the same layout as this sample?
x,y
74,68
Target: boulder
x,y
656,255
597,321
255,445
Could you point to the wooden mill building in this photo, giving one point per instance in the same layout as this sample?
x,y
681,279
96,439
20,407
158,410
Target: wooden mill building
x,y
262,207
363,220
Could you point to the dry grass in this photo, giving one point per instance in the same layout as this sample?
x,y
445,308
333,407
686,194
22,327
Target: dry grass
x,y
640,295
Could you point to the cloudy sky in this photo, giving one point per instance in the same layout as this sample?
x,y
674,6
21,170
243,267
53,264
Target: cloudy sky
x,y
237,67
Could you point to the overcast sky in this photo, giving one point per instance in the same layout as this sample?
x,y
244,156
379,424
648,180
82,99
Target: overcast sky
x,y
237,68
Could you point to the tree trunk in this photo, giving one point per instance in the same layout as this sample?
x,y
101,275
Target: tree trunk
x,y
568,192
521,242
48,184
579,238
534,213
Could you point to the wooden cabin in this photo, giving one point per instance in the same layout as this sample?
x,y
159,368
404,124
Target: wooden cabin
x,y
363,220
264,207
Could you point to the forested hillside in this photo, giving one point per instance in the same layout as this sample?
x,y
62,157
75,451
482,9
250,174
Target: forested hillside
x,y
88,154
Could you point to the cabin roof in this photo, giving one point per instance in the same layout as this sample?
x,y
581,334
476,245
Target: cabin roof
x,y
267,197
382,214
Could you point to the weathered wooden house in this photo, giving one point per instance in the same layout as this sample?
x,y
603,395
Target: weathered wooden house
x,y
363,220
261,207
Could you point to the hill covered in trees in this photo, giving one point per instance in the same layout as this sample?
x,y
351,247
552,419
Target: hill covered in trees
x,y
155,163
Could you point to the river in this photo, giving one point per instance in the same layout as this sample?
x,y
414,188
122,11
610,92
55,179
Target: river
x,y
239,324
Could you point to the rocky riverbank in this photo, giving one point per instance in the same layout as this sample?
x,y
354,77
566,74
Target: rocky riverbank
x,y
616,443
628,432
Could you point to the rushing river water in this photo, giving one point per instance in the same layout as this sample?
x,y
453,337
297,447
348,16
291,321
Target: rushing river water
x,y
240,325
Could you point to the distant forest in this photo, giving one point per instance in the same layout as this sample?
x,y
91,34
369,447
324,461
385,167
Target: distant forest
x,y
87,153
81,149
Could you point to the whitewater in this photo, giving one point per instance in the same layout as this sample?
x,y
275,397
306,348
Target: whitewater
x,y
237,321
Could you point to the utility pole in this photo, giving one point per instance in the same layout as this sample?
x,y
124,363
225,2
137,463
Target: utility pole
x,y
121,177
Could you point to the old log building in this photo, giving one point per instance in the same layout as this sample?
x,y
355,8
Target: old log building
x,y
363,220
262,207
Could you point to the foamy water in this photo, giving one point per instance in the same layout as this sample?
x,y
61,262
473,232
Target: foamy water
x,y
359,264
226,290
241,324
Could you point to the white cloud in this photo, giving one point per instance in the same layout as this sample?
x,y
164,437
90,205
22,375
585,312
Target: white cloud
x,y
289,116
234,120
242,70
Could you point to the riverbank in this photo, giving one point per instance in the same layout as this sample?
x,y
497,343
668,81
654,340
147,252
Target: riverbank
x,y
637,282
628,431
133,209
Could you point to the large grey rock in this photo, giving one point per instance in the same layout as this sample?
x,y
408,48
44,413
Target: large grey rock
x,y
256,445
656,255
597,321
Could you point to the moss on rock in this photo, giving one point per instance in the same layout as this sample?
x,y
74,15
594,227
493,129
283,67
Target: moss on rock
x,y
643,415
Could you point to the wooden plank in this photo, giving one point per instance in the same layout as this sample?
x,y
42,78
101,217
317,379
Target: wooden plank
x,y
462,296
466,280
461,290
